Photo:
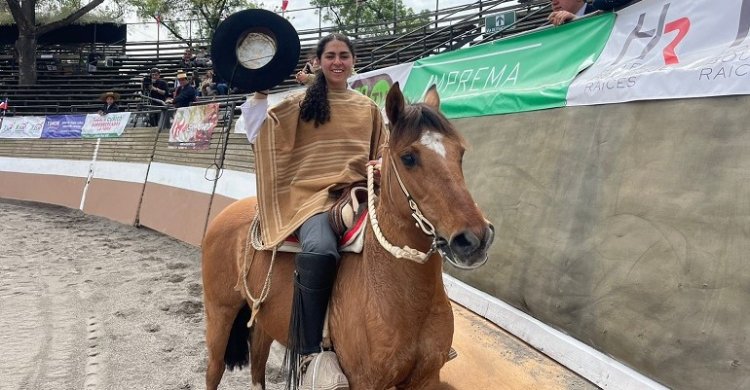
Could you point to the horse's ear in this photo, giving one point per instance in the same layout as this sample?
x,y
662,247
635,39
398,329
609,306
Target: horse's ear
x,y
394,104
432,99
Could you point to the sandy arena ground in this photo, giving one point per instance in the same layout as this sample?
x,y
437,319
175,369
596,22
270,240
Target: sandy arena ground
x,y
87,303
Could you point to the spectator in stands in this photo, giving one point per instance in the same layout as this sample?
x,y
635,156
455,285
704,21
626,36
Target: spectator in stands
x,y
608,5
221,86
209,86
564,11
188,60
110,103
156,89
185,93
307,75
91,61
203,59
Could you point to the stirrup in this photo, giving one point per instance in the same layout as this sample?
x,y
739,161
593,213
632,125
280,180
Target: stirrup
x,y
452,354
321,371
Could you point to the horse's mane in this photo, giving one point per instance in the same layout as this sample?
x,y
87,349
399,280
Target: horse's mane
x,y
417,117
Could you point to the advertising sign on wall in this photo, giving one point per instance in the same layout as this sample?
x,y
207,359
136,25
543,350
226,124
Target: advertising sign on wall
x,y
662,49
192,126
22,127
100,126
63,126
521,73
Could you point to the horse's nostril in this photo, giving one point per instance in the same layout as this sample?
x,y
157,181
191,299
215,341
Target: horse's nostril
x,y
465,242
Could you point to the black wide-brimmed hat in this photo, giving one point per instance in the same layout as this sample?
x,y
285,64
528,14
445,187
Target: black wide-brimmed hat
x,y
255,49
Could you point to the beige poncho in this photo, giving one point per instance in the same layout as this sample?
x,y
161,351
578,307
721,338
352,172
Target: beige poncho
x,y
298,165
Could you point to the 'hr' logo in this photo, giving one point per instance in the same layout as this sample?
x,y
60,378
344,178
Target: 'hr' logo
x,y
682,25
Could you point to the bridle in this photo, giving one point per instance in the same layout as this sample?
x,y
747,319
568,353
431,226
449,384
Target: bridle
x,y
439,244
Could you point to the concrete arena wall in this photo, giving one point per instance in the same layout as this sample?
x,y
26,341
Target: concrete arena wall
x,y
628,227
621,225
133,179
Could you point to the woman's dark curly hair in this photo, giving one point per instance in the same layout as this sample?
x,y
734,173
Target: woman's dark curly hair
x,y
315,104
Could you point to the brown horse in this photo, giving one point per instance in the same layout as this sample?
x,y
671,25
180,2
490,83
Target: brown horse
x,y
390,319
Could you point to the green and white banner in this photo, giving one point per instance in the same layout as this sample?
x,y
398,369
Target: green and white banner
x,y
522,73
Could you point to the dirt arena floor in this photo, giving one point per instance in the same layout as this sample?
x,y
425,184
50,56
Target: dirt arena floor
x,y
87,303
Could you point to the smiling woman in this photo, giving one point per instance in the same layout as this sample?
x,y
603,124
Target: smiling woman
x,y
310,147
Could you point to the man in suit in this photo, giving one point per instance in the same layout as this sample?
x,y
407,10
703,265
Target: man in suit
x,y
564,11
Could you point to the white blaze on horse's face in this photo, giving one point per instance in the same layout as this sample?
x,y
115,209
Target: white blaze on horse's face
x,y
433,141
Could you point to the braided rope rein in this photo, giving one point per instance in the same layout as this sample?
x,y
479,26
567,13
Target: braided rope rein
x,y
254,239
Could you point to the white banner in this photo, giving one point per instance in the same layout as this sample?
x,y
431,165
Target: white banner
x,y
110,125
376,83
22,127
663,49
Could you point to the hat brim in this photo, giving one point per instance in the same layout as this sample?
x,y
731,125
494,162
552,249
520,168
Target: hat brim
x,y
234,28
114,95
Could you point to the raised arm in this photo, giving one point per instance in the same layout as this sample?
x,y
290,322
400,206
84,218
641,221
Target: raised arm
x,y
254,113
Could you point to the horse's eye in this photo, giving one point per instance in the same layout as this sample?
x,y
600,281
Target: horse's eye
x,y
409,160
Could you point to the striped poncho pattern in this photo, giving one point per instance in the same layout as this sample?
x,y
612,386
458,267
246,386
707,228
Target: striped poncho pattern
x,y
300,167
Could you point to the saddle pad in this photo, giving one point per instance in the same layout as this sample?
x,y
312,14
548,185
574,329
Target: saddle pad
x,y
352,241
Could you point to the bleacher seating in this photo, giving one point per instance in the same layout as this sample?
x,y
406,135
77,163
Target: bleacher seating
x,y
64,85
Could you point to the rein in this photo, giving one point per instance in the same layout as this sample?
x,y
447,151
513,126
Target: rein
x,y
406,252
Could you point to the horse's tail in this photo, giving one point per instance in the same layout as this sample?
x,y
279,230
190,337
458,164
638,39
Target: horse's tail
x,y
237,354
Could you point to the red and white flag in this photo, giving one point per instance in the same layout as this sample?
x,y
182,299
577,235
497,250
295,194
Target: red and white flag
x,y
4,104
284,4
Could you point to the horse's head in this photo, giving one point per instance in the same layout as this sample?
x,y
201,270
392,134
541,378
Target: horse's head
x,y
425,154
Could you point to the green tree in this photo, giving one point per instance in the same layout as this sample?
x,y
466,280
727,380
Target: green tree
x,y
185,18
364,18
37,17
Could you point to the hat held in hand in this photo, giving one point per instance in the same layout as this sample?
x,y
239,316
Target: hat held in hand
x,y
255,49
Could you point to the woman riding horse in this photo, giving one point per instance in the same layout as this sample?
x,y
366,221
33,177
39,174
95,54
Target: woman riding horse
x,y
307,149
390,318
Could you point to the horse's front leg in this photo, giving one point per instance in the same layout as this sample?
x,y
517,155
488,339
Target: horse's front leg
x,y
435,343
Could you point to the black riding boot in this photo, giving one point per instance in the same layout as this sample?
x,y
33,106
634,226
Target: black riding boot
x,y
313,282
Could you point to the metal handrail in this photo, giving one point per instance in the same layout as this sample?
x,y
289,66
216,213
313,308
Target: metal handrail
x,y
438,31
493,35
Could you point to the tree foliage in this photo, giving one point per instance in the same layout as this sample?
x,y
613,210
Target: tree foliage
x,y
48,11
363,18
189,19
37,17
